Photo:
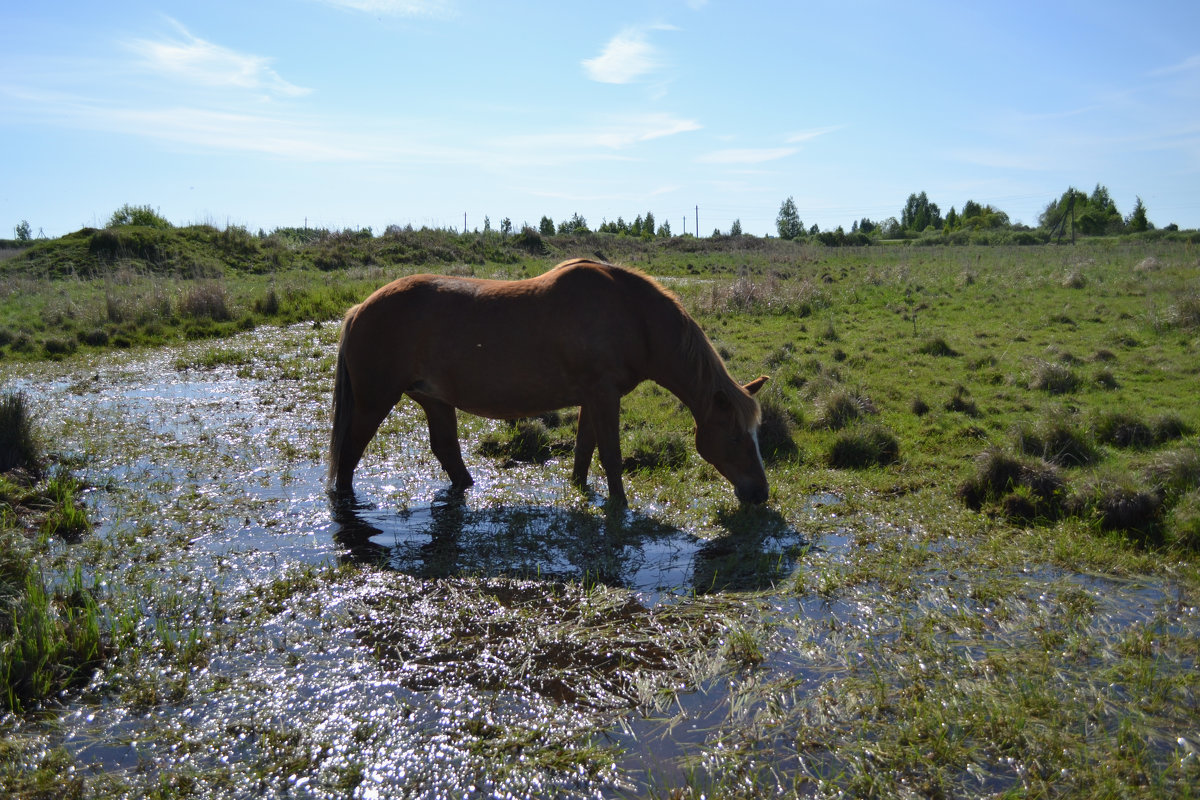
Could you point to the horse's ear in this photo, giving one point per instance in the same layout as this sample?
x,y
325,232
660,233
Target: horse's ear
x,y
753,386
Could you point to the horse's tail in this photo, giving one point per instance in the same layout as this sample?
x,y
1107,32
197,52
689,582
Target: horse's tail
x,y
343,402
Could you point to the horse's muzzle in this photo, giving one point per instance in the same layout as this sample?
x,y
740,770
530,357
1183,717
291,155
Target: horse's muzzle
x,y
754,494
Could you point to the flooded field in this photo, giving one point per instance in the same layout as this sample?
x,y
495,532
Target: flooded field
x,y
521,641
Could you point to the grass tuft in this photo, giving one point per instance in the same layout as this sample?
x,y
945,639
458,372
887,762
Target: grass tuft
x,y
1057,441
18,445
864,446
1053,377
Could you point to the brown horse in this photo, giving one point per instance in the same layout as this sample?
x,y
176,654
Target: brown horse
x,y
583,334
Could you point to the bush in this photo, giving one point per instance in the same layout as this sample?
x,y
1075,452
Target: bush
x,y
143,216
18,446
862,447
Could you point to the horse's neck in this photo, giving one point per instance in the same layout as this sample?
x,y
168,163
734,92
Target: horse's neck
x,y
689,379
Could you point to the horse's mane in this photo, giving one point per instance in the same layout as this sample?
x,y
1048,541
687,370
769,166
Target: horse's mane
x,y
707,375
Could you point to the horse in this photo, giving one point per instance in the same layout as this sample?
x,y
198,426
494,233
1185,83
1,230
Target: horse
x,y
581,334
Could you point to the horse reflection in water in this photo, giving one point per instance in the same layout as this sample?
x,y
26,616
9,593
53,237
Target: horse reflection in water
x,y
583,334
628,550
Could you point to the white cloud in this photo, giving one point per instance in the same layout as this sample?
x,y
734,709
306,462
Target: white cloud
x,y
397,8
627,57
749,155
201,62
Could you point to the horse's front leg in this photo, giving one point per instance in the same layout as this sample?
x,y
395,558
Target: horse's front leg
x,y
443,439
606,436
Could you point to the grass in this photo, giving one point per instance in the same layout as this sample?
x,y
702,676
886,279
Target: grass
x,y
998,604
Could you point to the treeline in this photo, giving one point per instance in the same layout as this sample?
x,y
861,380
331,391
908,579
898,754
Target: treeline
x,y
1073,213
921,221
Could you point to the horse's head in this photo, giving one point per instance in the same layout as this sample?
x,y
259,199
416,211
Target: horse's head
x,y
727,438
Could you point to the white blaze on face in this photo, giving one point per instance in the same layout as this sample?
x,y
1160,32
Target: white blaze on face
x,y
757,451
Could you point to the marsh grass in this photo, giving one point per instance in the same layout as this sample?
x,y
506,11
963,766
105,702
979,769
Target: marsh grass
x,y
864,446
18,443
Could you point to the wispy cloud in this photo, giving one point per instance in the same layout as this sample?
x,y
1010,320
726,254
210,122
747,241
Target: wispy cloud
x,y
1187,65
204,63
807,136
613,134
397,8
627,57
747,155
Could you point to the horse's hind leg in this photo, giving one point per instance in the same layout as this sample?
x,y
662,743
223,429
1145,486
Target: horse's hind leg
x,y
363,424
443,439
585,447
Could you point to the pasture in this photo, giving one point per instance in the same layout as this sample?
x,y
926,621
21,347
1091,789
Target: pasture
x,y
976,574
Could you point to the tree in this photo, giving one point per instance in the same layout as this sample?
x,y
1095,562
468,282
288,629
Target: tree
x,y
919,214
576,224
788,222
648,225
24,232
1136,222
546,227
736,228
664,230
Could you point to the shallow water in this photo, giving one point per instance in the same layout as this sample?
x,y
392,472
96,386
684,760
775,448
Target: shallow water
x,y
217,473
208,493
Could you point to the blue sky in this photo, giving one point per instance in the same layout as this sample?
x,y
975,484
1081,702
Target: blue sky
x,y
354,113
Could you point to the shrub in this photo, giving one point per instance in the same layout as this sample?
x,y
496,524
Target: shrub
x,y
145,216
865,446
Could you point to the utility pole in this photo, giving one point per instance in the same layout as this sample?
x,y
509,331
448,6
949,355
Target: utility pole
x,y
464,222
697,221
